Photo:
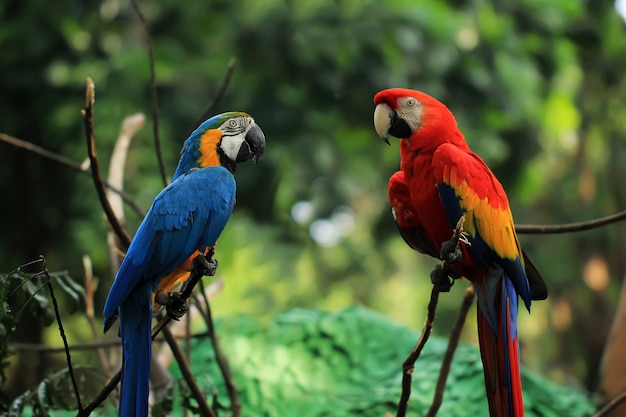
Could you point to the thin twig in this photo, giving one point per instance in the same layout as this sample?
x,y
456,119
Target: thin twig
x,y
43,348
31,147
90,288
153,91
458,236
219,93
102,395
612,405
68,357
121,233
570,227
221,359
409,363
205,409
453,342
188,345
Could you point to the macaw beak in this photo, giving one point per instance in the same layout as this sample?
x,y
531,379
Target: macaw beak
x,y
253,145
382,120
388,122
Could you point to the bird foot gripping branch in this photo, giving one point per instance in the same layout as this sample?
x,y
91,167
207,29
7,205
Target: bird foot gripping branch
x,y
177,303
443,275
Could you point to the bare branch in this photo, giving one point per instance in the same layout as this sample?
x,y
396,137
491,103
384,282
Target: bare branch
x,y
205,409
153,91
20,143
57,314
44,348
91,284
121,233
220,358
604,411
458,236
129,127
453,342
409,363
219,93
570,227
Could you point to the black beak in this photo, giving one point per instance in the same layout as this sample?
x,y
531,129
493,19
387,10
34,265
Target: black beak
x,y
398,127
254,145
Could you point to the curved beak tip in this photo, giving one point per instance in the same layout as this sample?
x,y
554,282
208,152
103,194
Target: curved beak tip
x,y
256,140
382,121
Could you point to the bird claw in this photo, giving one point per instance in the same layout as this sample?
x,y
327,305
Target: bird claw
x,y
177,307
451,251
174,304
443,278
203,266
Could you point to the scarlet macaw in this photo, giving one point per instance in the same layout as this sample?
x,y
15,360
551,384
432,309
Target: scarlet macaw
x,y
185,219
440,180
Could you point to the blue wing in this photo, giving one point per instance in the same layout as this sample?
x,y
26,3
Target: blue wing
x,y
188,215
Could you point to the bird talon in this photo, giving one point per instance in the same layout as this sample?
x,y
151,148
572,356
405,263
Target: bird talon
x,y
464,237
440,278
177,307
451,251
203,266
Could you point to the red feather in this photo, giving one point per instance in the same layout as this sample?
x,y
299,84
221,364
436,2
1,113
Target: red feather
x,y
441,179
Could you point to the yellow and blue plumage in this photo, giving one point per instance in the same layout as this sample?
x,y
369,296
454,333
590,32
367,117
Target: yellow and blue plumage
x,y
440,180
185,219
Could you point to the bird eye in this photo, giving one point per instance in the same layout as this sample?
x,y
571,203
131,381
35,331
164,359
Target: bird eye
x,y
410,102
232,123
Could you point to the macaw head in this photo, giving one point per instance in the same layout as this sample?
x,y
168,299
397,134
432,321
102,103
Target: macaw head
x,y
225,140
421,120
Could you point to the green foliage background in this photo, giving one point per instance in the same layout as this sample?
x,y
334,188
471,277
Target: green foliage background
x,y
537,87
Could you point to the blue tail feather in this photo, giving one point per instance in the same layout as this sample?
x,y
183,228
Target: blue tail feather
x,y
136,332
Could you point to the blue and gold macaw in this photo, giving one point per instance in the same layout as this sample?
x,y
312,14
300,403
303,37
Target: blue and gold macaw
x,y
185,219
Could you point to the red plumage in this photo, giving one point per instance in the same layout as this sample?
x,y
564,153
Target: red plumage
x,y
441,179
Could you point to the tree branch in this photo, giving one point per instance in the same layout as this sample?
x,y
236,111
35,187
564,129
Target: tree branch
x,y
570,227
121,233
219,93
20,143
220,358
453,343
153,91
409,363
90,288
604,411
196,392
458,236
57,314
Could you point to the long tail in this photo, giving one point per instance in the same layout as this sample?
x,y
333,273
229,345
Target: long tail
x,y
135,328
499,347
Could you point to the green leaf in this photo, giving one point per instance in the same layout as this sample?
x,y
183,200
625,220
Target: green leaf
x,y
310,363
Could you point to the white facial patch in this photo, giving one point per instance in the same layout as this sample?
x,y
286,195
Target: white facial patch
x,y
411,110
234,135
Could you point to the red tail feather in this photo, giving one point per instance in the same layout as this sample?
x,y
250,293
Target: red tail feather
x,y
500,356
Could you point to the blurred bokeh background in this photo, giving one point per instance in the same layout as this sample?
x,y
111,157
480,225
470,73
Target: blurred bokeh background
x,y
537,87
